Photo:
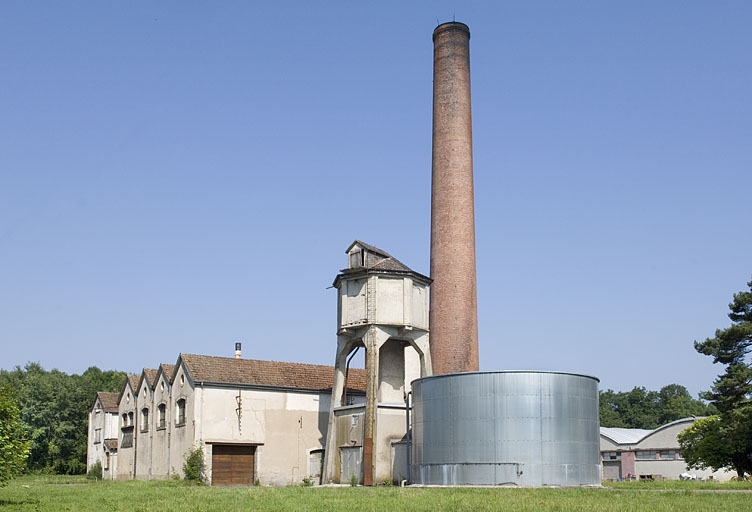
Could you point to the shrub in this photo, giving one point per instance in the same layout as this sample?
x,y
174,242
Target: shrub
x,y
194,465
95,471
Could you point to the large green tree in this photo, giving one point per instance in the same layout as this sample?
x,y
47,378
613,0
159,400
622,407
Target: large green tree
x,y
731,392
705,444
14,447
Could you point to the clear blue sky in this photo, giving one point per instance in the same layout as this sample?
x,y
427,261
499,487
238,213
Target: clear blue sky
x,y
178,176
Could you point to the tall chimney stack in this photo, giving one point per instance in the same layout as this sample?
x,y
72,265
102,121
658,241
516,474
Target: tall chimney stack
x,y
238,353
453,317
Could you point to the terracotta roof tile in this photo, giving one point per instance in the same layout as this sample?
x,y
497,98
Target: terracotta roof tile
x,y
252,372
168,370
132,381
109,401
151,376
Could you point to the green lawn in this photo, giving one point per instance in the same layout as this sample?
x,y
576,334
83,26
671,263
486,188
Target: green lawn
x,y
78,494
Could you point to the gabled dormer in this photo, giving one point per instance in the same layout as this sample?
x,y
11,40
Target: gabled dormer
x,y
361,255
144,394
127,409
162,394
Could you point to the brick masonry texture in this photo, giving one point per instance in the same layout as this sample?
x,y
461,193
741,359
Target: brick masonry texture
x,y
453,315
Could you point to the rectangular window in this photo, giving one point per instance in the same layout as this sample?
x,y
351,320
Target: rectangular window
x,y
127,438
144,420
667,454
646,455
98,435
180,420
161,420
611,456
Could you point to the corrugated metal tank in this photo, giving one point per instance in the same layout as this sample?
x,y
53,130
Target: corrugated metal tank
x,y
524,428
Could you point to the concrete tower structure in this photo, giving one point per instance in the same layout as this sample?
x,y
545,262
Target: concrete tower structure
x,y
453,313
382,307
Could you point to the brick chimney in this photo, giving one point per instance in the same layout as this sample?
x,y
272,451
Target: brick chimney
x,y
453,314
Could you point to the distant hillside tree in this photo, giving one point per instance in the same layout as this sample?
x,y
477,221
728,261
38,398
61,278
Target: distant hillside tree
x,y
55,406
641,408
731,394
14,446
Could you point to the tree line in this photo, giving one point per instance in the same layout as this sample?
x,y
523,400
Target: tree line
x,y
53,413
641,408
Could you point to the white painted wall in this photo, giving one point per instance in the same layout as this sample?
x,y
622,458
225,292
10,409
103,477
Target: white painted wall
x,y
107,425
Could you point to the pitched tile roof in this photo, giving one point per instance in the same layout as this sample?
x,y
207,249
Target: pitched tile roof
x,y
131,380
385,262
253,372
377,260
168,370
109,401
151,376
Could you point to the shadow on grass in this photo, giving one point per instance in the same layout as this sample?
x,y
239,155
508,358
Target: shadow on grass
x,y
7,503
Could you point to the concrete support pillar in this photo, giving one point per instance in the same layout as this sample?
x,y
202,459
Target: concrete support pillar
x,y
373,340
346,343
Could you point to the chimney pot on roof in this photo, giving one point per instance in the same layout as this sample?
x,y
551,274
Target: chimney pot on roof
x,y
237,350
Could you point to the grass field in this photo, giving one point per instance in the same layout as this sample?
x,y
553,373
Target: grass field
x,y
78,494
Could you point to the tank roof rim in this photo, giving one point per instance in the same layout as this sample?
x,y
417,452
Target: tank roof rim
x,y
555,372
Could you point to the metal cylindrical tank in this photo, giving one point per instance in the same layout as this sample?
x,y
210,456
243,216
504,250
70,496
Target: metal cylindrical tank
x,y
527,428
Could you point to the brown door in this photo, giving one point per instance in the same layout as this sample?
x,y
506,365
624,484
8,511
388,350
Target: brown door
x,y
232,464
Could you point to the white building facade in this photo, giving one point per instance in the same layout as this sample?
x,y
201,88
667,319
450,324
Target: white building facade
x,y
256,422
103,434
629,453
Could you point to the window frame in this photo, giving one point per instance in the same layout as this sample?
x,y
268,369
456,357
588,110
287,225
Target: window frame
x,y
145,419
180,412
161,416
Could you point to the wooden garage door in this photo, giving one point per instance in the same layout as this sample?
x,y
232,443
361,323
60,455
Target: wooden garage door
x,y
232,464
